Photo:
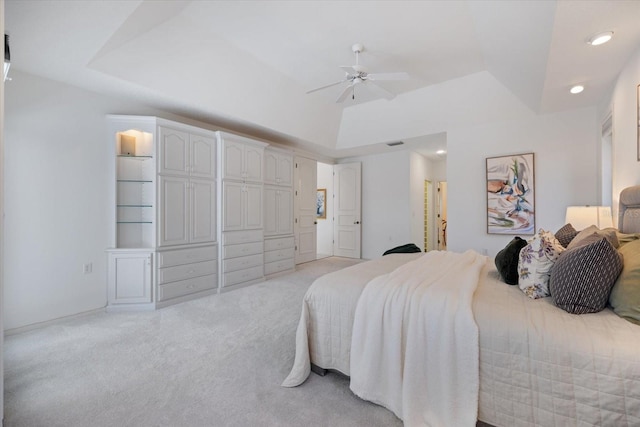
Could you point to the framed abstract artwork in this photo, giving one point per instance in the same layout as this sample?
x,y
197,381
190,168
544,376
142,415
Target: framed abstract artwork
x,y
511,195
321,204
638,120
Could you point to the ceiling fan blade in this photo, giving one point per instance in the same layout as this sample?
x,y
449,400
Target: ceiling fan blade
x,y
324,87
388,76
380,90
345,94
348,69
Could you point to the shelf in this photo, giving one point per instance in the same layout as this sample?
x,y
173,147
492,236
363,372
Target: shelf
x,y
134,222
134,157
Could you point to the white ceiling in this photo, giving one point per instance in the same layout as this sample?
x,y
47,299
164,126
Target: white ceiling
x,y
247,65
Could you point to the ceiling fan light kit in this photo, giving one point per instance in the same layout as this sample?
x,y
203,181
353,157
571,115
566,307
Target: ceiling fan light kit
x,y
358,75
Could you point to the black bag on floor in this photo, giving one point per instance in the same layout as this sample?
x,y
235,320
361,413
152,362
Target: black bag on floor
x,y
409,248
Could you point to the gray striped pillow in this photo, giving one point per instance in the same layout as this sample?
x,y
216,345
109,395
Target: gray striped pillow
x,y
583,276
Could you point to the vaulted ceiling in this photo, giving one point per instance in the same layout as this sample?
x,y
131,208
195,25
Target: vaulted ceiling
x,y
247,65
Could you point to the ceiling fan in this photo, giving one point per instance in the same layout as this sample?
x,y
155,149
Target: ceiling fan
x,y
358,75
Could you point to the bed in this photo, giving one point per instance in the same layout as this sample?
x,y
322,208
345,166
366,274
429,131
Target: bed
x,y
536,364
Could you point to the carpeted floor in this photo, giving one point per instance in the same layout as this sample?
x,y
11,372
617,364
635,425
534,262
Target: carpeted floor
x,y
215,361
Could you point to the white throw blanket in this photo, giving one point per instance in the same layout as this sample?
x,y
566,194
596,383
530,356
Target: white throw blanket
x,y
414,347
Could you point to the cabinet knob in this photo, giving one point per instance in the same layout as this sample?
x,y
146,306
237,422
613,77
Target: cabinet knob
x,y
356,222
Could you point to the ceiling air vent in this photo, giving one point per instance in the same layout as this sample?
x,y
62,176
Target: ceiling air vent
x,y
393,144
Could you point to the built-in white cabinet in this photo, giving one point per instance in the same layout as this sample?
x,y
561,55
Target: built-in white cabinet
x,y
185,154
130,277
278,168
241,206
278,210
279,247
165,209
187,211
242,210
241,159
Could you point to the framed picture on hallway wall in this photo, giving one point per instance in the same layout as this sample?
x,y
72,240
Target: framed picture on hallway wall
x,y
638,119
321,204
510,194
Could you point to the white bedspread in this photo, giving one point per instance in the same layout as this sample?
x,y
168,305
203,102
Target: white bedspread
x,y
326,322
414,347
539,366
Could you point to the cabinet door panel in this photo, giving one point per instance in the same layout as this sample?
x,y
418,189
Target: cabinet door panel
x,y
174,211
174,152
203,157
285,212
285,170
270,211
232,196
271,167
253,163
233,160
130,278
253,206
203,211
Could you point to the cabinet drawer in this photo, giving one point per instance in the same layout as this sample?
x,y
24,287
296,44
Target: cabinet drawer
x,y
278,266
281,243
186,287
241,276
246,236
182,272
279,255
186,256
234,251
240,263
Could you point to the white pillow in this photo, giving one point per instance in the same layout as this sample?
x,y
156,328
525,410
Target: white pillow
x,y
535,263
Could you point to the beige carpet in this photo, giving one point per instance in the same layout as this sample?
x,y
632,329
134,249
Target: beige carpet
x,y
215,361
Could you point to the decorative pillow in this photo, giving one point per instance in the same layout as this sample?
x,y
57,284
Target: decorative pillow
x,y
625,295
583,277
535,262
507,260
566,234
624,238
609,233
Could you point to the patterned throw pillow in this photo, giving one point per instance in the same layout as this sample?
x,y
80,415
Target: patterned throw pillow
x,y
583,277
566,234
535,262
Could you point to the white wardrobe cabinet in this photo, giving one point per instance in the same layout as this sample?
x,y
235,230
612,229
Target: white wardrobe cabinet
x,y
242,210
186,154
278,211
241,161
279,246
278,168
164,247
187,211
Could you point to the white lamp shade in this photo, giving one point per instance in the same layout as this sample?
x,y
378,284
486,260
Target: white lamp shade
x,y
581,217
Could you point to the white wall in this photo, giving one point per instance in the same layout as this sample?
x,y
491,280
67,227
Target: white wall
x,y
55,196
626,168
325,226
418,173
566,171
385,202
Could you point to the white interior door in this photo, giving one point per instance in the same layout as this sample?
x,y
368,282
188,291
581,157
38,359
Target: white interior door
x,y
305,192
347,216
347,230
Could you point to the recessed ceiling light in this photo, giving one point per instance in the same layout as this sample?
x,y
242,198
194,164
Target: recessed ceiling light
x,y
600,38
441,152
576,89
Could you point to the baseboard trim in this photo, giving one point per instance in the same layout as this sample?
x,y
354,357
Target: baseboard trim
x,y
40,325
